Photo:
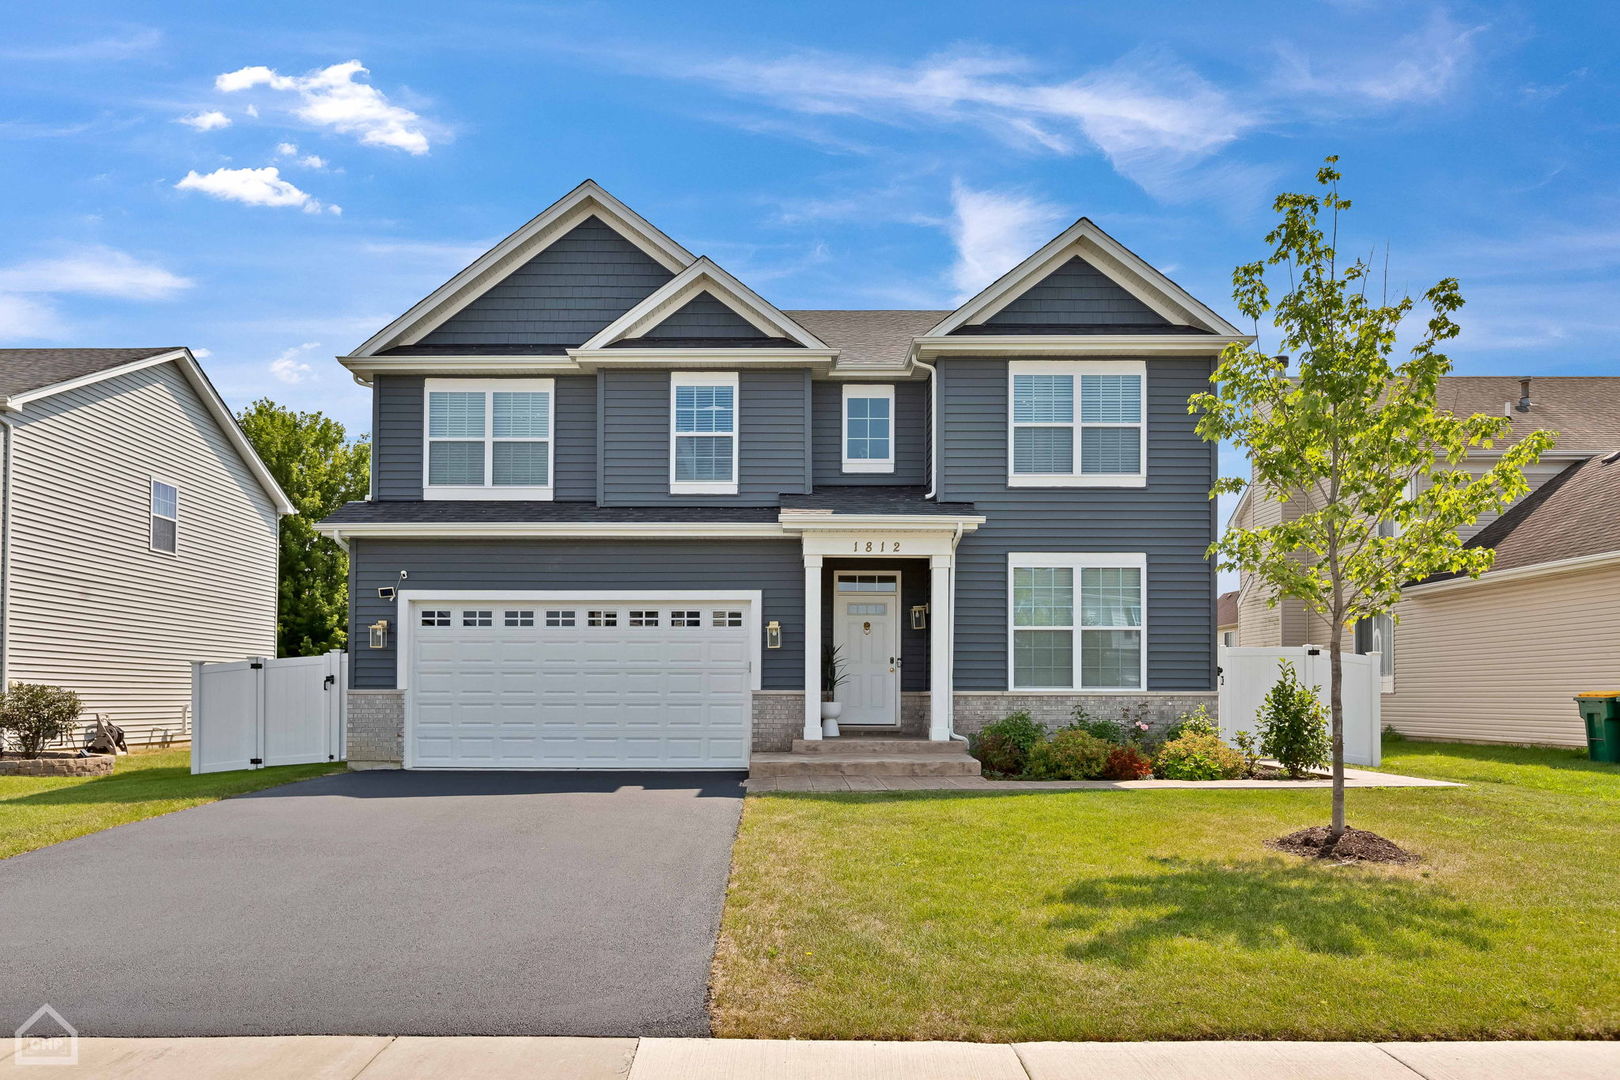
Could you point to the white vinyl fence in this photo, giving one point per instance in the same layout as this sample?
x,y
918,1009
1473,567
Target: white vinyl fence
x,y
1247,674
250,714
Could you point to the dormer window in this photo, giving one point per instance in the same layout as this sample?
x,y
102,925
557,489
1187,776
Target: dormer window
x,y
488,439
703,433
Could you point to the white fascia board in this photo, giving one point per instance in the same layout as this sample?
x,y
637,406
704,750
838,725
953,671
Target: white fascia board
x,y
533,237
704,275
1128,270
1075,345
1518,573
828,521
363,368
654,530
590,359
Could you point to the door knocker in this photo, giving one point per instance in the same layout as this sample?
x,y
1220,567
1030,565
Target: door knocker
x,y
866,628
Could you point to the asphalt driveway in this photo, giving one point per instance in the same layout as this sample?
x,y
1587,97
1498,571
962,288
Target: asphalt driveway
x,y
384,903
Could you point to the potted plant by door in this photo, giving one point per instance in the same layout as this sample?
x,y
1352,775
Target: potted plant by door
x,y
832,676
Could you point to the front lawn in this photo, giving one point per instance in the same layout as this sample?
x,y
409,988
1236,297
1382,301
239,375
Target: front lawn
x,y
36,811
1159,915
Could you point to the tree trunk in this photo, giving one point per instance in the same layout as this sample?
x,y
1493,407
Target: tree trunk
x,y
1336,706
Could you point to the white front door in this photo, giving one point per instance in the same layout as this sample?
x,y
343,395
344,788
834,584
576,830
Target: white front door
x,y
866,627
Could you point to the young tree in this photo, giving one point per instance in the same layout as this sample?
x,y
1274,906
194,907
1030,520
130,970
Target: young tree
x,y
320,470
1354,437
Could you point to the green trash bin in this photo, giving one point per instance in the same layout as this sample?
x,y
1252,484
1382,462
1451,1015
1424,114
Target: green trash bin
x,y
1601,711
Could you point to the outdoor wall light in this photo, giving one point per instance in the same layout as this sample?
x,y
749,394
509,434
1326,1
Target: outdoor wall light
x,y
773,635
919,617
379,634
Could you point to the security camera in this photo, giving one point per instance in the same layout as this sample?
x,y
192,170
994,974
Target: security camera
x,y
387,592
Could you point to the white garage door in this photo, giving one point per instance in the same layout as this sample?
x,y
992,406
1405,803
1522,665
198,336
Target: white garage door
x,y
580,685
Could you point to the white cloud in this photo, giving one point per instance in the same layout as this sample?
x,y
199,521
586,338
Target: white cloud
x,y
255,187
23,318
331,98
309,161
97,271
289,367
286,149
206,121
993,232
201,353
1421,66
109,48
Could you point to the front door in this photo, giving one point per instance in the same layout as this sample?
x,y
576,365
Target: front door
x,y
866,627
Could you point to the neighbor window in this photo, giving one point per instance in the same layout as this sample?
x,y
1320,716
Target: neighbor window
x,y
1077,423
1077,621
1377,635
703,433
165,534
868,429
489,439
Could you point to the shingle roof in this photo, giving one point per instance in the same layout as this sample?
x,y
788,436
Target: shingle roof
x,y
1571,515
1583,409
22,370
874,500
1226,609
878,338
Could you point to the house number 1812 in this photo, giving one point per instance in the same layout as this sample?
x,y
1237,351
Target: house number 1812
x,y
877,545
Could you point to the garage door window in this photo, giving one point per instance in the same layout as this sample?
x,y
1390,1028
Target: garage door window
x,y
644,618
603,618
519,618
728,618
557,619
686,618
477,618
433,617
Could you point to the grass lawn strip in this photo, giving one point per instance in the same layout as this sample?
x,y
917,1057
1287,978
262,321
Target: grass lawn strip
x,y
1084,915
39,811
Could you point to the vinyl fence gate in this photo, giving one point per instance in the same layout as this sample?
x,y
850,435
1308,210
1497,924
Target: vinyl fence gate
x,y
250,714
1247,674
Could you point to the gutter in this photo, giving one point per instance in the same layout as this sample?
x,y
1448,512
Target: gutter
x,y
1518,573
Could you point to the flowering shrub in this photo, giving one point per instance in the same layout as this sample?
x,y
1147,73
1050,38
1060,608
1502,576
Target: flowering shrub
x,y
1198,757
1004,745
1127,763
1070,754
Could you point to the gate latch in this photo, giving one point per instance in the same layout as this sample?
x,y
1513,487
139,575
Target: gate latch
x,y
330,679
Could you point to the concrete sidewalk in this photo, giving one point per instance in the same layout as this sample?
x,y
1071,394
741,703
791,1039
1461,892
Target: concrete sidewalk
x,y
338,1057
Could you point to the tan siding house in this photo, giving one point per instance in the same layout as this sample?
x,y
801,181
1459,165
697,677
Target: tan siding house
x,y
92,600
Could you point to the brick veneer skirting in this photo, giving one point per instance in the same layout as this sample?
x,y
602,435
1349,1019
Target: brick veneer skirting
x,y
972,711
376,729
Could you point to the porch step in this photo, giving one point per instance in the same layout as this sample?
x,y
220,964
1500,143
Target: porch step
x,y
762,766
880,745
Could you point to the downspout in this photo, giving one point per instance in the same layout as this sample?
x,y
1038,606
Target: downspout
x,y
933,428
8,439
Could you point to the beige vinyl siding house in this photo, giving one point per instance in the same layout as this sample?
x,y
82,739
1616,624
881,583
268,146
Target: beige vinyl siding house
x,y
90,601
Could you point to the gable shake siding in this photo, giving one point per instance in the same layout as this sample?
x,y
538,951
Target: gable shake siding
x,y
1169,520
1077,293
92,607
563,296
634,428
910,435
704,316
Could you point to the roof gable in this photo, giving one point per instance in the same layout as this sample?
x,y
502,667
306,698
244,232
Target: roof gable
x,y
1083,272
728,298
590,266
705,316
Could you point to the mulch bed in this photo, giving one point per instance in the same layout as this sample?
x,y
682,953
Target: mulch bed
x,y
1355,845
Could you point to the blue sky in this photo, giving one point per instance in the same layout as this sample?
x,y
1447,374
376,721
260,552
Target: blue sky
x,y
831,154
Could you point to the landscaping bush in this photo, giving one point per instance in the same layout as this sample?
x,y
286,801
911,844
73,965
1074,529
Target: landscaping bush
x,y
1248,747
1197,722
1070,754
1127,763
1106,730
1003,746
1198,757
1293,724
32,716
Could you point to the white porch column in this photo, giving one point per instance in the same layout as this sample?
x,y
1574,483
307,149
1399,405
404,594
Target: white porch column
x,y
941,618
812,646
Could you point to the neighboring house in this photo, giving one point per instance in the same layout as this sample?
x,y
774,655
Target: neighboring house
x,y
138,534
608,476
1585,412
1226,618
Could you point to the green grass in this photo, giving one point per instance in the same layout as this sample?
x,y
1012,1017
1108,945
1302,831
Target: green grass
x,y
1160,915
37,811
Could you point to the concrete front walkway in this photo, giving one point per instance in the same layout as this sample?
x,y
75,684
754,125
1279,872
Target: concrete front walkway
x,y
1353,778
337,1057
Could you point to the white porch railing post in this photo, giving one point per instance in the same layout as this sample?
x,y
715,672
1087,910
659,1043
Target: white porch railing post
x,y
940,661
812,647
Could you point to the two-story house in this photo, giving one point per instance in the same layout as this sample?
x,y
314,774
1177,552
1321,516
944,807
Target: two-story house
x,y
623,506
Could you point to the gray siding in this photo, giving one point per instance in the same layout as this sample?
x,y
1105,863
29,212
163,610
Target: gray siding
x,y
1170,520
587,278
704,316
634,429
1077,293
93,608
397,438
773,566
910,436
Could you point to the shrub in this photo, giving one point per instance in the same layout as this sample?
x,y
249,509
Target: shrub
x,y
1106,730
1293,724
1197,722
1138,728
32,716
1198,757
1004,745
1249,747
1070,754
1127,763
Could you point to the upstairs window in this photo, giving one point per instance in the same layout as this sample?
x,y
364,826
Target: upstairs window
x,y
703,433
165,534
489,439
1077,423
868,429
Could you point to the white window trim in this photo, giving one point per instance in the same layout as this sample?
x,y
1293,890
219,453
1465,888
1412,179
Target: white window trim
x,y
1076,561
1077,368
866,465
152,479
705,378
488,491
